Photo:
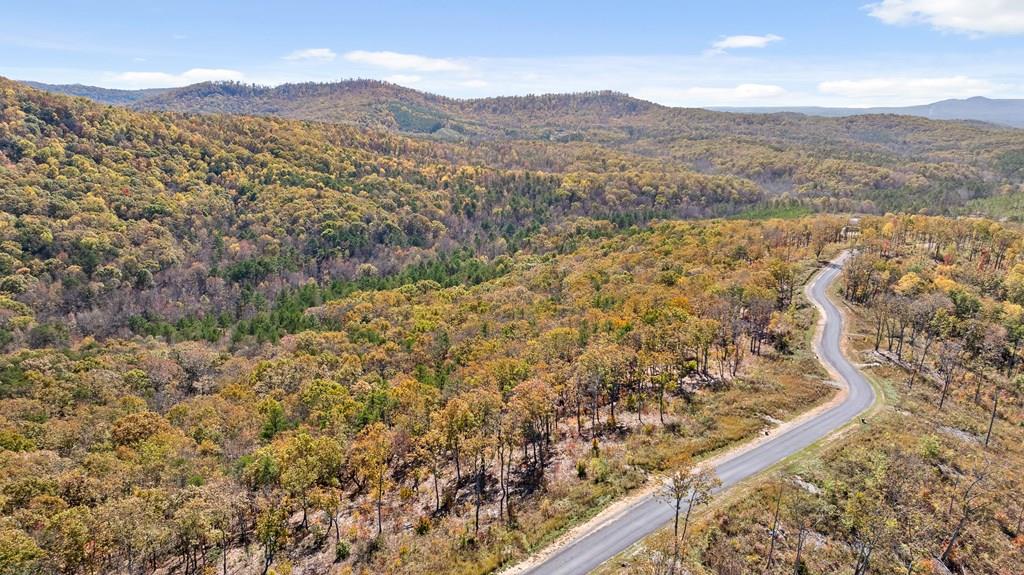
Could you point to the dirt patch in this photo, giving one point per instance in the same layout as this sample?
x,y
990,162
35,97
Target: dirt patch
x,y
961,434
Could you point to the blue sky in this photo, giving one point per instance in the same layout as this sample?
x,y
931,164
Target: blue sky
x,y
786,52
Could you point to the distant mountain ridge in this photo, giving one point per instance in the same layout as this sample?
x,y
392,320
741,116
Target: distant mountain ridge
x,y
1008,112
95,93
373,103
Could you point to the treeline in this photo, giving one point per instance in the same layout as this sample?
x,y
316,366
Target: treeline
x,y
952,314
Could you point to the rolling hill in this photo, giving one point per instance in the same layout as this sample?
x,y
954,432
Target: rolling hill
x,y
381,104
862,162
260,340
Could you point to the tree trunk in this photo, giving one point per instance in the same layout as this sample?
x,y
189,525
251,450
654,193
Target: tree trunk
x,y
508,495
458,466
337,527
611,400
775,530
437,492
992,418
945,389
661,400
799,550
944,558
863,560
686,518
640,400
675,540
920,364
479,489
579,417
380,505
501,476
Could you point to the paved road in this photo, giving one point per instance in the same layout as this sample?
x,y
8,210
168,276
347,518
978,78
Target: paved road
x,y
649,514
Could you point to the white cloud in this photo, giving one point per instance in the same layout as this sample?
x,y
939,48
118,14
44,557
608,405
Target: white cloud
x,y
312,54
398,61
474,83
907,89
743,41
403,79
975,17
713,96
741,92
164,79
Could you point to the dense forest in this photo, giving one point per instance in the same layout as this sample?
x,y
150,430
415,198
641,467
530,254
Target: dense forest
x,y
258,344
872,163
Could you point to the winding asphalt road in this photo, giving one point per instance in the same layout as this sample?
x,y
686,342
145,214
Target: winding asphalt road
x,y
651,513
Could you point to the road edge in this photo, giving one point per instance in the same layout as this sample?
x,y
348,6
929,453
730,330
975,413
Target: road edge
x,y
622,505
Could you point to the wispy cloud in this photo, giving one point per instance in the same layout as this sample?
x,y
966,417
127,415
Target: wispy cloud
x,y
312,54
742,41
908,88
715,96
399,61
165,79
974,17
403,79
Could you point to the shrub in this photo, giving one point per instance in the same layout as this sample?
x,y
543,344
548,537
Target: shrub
x,y
342,551
598,470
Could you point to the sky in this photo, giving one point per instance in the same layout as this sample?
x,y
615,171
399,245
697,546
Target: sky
x,y
681,53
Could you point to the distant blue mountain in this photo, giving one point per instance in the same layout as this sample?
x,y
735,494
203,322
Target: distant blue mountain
x,y
1005,112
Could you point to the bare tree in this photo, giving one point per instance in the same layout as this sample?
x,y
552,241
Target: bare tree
x,y
995,407
694,488
970,503
803,511
775,530
951,362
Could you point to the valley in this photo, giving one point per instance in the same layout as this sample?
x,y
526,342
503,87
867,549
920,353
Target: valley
x,y
353,327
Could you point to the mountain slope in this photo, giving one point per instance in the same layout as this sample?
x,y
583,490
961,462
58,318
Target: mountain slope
x,y
1008,112
269,343
131,201
864,163
375,104
602,116
97,94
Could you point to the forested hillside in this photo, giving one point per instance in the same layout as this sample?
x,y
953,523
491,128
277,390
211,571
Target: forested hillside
x,y
864,163
111,214
208,225
253,344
